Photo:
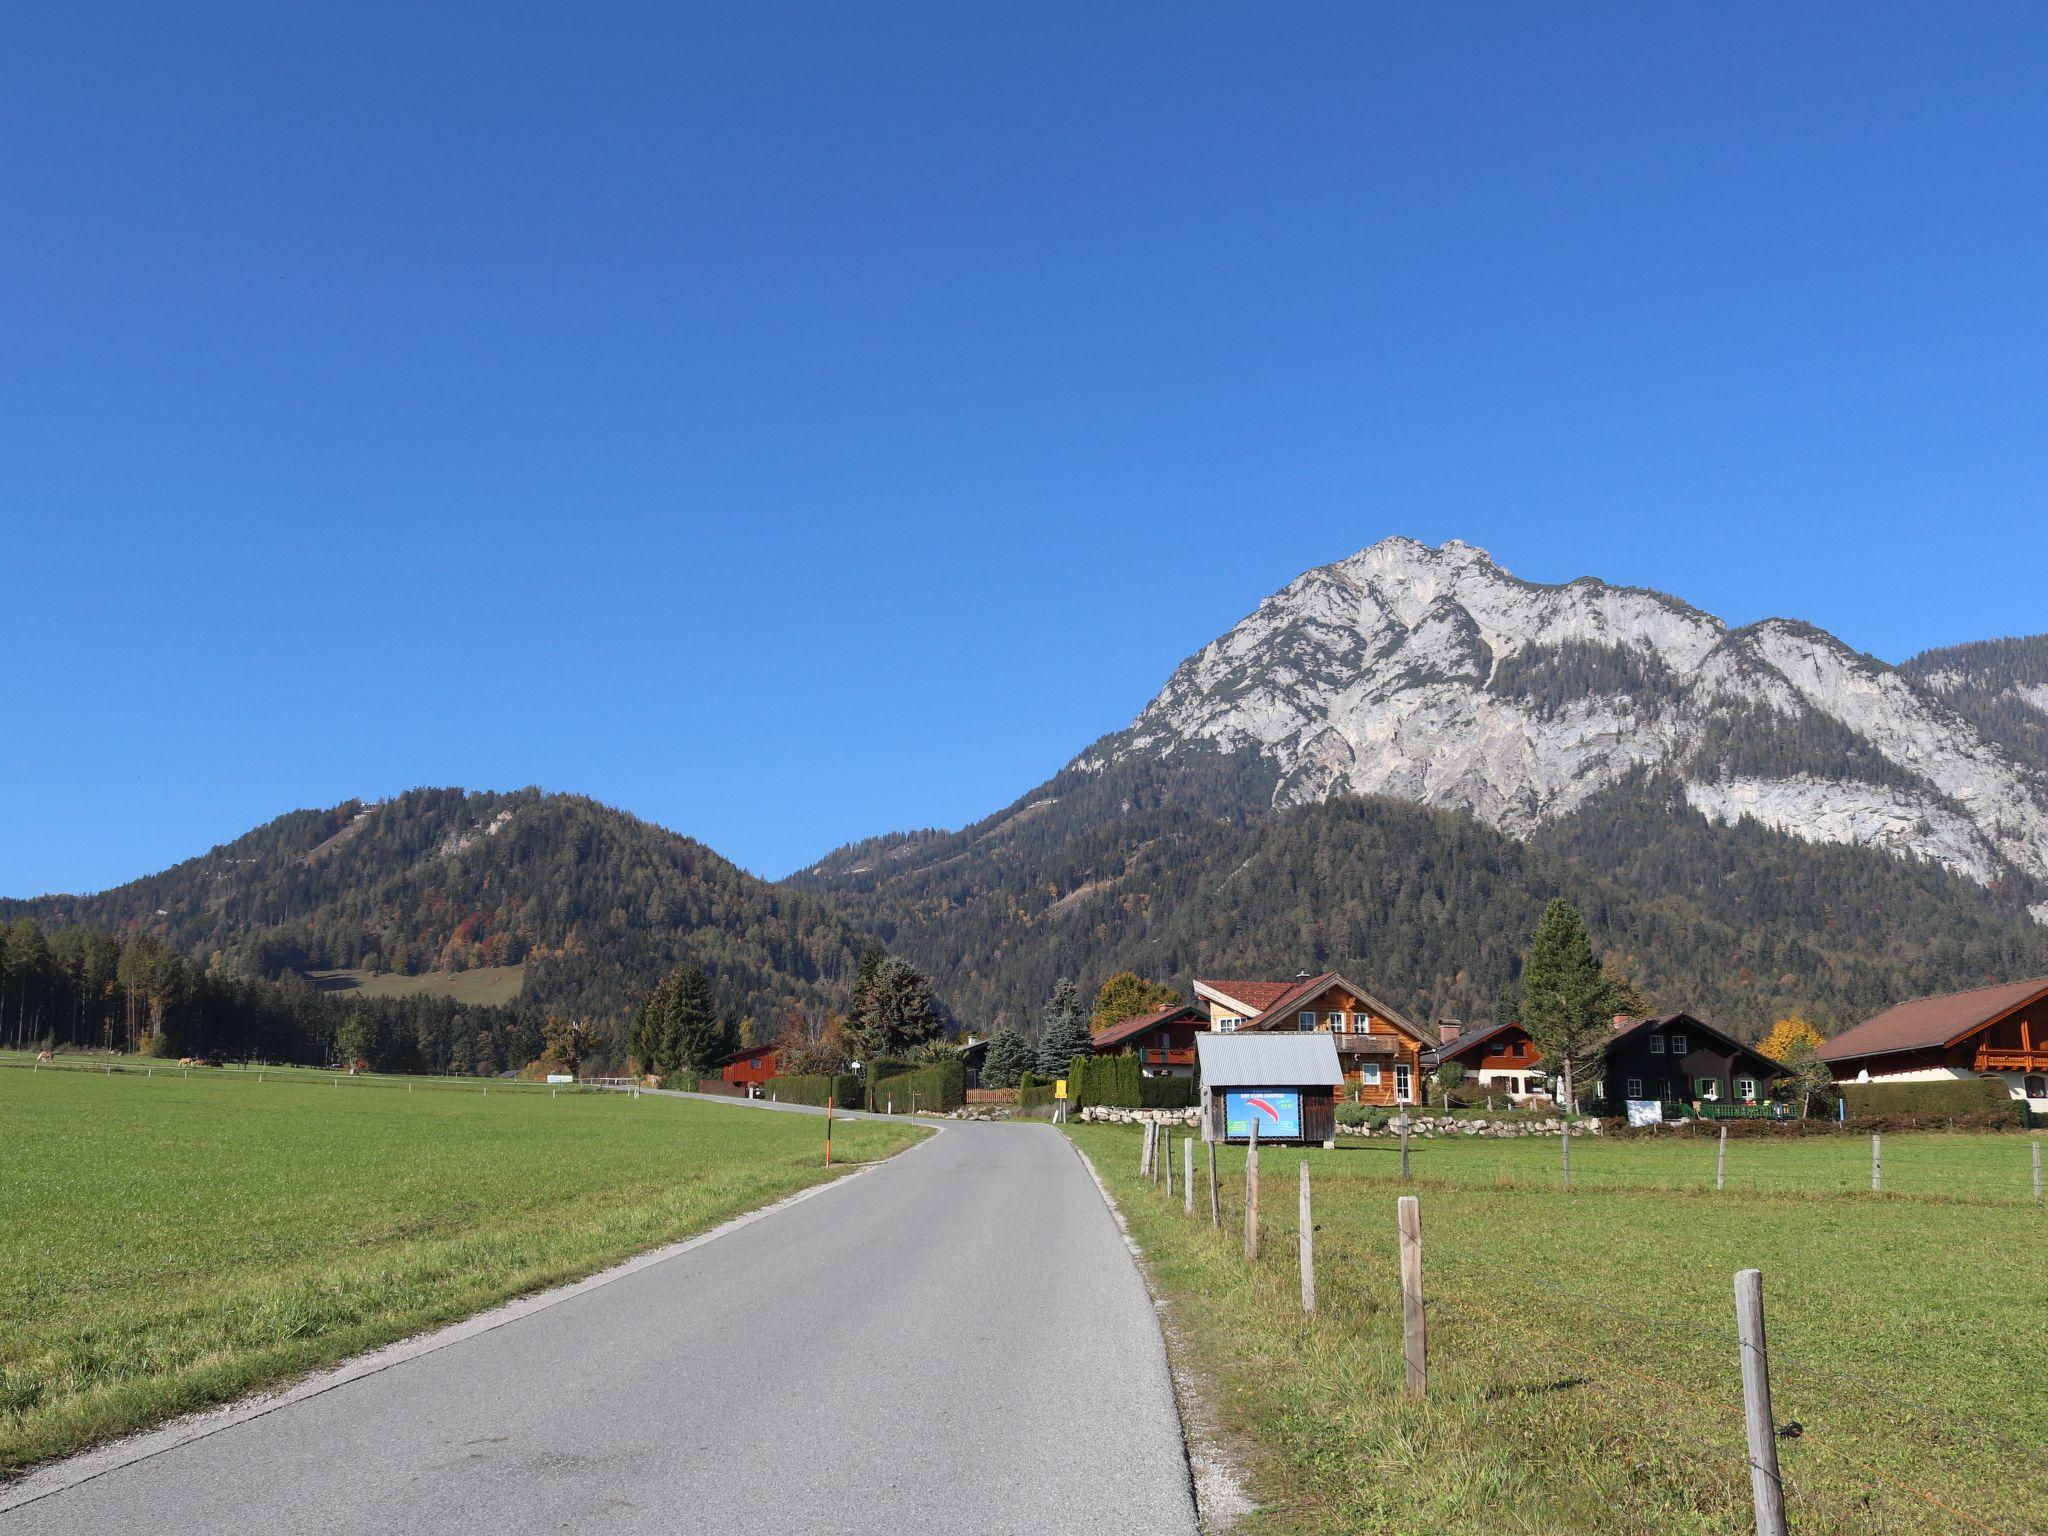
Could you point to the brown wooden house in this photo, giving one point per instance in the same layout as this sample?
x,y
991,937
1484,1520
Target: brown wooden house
x,y
1164,1040
748,1067
1499,1059
1379,1051
1999,1032
1677,1058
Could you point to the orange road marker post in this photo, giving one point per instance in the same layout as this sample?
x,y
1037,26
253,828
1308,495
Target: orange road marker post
x,y
828,1130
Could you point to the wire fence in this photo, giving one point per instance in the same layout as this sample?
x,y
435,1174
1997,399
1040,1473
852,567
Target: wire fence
x,y
1862,1452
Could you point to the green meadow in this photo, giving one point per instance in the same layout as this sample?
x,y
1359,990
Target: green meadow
x,y
169,1242
1584,1371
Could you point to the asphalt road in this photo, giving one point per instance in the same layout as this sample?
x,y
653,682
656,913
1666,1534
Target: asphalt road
x,y
956,1341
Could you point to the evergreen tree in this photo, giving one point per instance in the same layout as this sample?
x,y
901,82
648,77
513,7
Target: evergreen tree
x,y
1568,1001
692,1036
894,1011
1063,1031
1009,1057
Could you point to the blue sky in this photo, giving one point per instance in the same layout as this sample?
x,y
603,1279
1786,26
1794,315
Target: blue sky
x,y
794,423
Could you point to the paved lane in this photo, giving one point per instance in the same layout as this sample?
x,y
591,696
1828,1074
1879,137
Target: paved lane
x,y
956,1342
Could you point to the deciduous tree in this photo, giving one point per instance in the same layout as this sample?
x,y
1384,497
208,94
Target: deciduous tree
x,y
1126,995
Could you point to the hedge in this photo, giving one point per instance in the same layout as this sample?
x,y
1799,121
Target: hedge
x,y
1167,1092
1108,1080
844,1090
940,1086
1033,1092
1943,1099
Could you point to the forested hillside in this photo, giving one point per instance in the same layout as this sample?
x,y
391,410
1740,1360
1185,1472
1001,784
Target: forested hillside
x,y
596,903
2000,686
1163,871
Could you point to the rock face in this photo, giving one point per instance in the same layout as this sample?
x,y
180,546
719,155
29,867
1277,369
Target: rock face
x,y
1434,675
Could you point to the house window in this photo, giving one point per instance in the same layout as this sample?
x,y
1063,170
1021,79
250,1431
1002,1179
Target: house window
x,y
1679,1045
757,1063
1226,1026
1709,1088
1745,1089
1635,1087
2037,1086
1656,1045
1307,1019
1404,1082
1370,1075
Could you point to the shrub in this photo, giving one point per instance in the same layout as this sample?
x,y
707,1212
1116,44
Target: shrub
x,y
1376,1116
1033,1092
844,1089
1167,1092
1947,1100
940,1086
1113,1081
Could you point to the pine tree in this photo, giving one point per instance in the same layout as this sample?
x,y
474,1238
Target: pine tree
x,y
1063,1032
693,1038
1568,1002
1009,1057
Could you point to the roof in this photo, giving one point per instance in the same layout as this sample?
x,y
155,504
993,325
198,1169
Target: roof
x,y
1253,995
1692,1021
1117,1034
1458,1047
1929,1023
745,1051
1267,1061
1302,991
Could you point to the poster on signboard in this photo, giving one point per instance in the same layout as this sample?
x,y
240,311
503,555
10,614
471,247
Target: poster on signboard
x,y
1278,1114
1645,1112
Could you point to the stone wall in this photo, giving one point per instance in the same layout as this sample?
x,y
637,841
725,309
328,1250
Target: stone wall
x,y
1437,1126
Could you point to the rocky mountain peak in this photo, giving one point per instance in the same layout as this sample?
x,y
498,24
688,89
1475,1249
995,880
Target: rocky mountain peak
x,y
1434,675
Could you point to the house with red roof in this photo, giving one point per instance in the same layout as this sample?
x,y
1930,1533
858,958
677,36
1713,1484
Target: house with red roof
x,y
1501,1058
1379,1050
1163,1039
1999,1032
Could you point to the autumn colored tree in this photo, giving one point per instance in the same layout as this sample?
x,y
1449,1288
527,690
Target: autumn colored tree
x,y
1788,1035
1126,995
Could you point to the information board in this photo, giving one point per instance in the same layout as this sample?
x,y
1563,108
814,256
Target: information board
x,y
1278,1114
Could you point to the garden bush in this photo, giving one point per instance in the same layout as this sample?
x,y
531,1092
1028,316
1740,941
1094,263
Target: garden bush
x,y
1954,1101
1167,1092
844,1089
940,1086
1033,1092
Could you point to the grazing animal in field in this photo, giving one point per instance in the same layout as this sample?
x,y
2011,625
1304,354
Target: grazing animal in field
x,y
189,1061
44,1056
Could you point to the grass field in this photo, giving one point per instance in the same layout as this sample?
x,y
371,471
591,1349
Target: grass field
x,y
1584,1372
484,984
172,1242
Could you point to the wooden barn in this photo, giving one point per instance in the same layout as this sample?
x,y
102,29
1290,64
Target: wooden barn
x,y
748,1067
1285,1084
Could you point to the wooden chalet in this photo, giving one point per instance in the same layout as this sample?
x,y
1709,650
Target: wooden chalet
x,y
1499,1059
1380,1052
1163,1039
1676,1058
1231,1003
1999,1032
748,1067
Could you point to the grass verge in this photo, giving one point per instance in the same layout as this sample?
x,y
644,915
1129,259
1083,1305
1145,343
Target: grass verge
x,y
1583,1367
171,1243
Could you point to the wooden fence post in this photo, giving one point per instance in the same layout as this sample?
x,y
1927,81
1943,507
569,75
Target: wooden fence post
x,y
1187,1174
1404,1146
828,1130
1308,1246
1144,1151
1414,1326
1167,1137
1876,1165
1721,1161
2037,1169
1215,1200
1251,1194
1566,1137
1766,1489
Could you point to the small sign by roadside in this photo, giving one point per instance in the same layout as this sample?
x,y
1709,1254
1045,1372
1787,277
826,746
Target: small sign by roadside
x,y
1059,1088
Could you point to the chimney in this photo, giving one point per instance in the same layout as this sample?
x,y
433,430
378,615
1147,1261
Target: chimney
x,y
1448,1030
1303,975
1622,1021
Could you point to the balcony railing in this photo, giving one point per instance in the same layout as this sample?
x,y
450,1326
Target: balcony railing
x,y
1153,1056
